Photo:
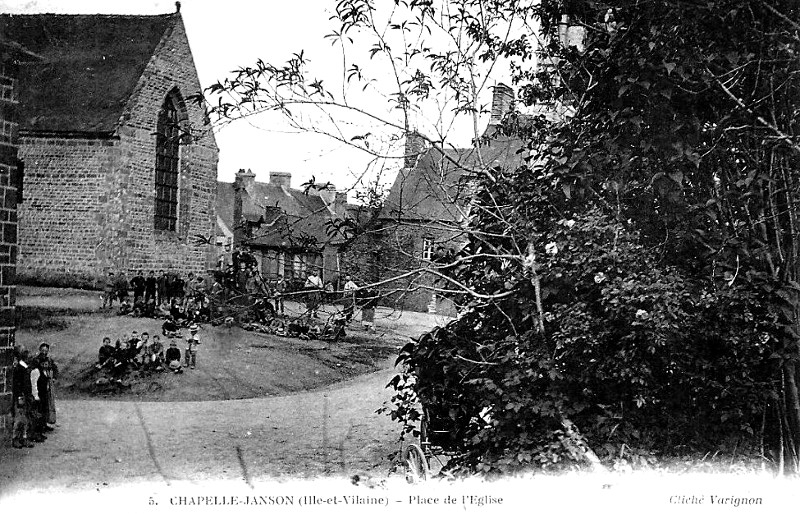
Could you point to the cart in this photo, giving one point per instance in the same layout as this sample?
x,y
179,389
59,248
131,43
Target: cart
x,y
437,442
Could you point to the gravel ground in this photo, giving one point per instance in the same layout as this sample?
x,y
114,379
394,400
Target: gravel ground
x,y
331,431
143,456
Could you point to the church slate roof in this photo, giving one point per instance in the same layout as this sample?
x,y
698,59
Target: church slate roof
x,y
89,67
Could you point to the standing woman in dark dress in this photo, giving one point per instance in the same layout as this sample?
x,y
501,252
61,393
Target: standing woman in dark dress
x,y
48,373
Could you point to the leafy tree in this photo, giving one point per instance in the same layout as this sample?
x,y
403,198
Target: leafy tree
x,y
632,288
656,307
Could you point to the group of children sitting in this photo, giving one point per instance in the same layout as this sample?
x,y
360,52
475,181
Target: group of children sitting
x,y
138,352
301,328
188,310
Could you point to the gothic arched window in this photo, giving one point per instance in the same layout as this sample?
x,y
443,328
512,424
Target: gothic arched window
x,y
167,156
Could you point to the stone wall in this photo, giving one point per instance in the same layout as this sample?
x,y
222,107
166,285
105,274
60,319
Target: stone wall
x,y
8,233
63,208
88,204
171,70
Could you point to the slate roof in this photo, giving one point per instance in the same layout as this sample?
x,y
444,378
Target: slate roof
x,y
13,51
437,187
288,217
90,65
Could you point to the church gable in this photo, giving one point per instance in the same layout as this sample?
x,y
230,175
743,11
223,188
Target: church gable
x,y
124,178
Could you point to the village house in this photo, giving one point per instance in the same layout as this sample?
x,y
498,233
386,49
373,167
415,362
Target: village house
x,y
288,231
423,217
119,166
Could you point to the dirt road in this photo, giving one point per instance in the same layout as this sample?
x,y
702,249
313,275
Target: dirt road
x,y
333,431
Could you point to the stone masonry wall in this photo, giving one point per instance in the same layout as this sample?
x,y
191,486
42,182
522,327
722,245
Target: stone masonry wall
x,y
8,233
88,204
62,207
170,70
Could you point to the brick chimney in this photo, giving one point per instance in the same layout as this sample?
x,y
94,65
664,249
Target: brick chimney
x,y
335,201
340,204
502,100
244,180
415,146
243,183
328,193
280,178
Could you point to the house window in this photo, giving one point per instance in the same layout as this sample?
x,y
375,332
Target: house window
x,y
167,148
282,265
427,248
298,266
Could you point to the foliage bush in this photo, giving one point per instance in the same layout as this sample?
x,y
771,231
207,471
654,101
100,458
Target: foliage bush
x,y
644,359
652,308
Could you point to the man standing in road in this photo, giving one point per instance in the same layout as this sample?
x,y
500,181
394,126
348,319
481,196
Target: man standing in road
x,y
161,288
350,289
22,400
314,286
108,291
121,287
138,285
150,287
279,290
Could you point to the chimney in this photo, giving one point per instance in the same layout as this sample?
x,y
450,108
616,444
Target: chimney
x,y
280,178
340,204
328,193
502,100
244,180
242,184
415,146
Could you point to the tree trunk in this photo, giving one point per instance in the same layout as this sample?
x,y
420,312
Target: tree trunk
x,y
792,415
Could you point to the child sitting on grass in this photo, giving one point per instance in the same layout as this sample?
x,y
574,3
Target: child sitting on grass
x,y
173,357
105,355
157,354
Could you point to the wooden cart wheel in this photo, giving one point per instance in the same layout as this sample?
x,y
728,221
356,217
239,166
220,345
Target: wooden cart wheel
x,y
417,469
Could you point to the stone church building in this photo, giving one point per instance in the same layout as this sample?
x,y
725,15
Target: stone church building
x,y
119,166
11,56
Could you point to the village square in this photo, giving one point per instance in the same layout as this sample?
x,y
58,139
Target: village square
x,y
399,245
149,280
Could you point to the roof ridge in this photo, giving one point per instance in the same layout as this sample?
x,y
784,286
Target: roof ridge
x,y
64,15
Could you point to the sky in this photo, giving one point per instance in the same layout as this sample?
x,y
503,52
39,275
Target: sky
x,y
226,35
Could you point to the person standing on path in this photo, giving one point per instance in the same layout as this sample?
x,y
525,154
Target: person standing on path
x,y
121,287
150,287
108,291
369,302
138,285
314,286
192,341
280,289
22,400
350,289
161,287
48,373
